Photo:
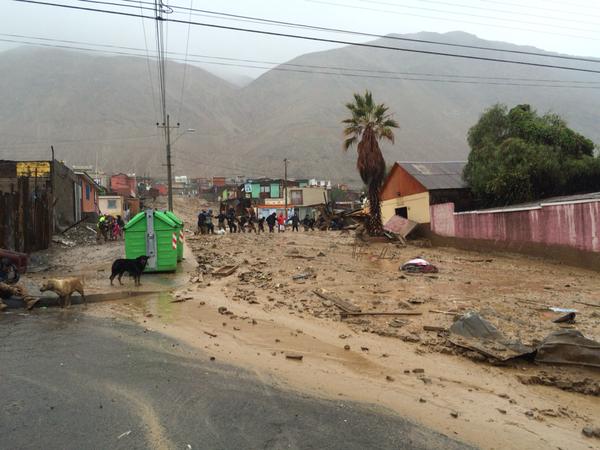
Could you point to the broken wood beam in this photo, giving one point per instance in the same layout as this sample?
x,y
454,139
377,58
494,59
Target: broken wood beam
x,y
595,305
344,305
434,328
383,313
448,313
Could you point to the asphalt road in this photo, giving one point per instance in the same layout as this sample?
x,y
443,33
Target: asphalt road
x,y
70,381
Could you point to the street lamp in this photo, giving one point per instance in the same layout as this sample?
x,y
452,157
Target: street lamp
x,y
189,130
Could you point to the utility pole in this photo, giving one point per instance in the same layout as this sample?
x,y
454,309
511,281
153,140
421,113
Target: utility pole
x,y
52,201
167,128
285,190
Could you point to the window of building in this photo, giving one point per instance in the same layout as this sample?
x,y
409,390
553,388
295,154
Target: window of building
x,y
296,197
112,203
87,191
265,189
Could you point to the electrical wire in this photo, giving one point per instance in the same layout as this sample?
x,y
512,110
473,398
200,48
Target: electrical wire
x,y
185,65
446,19
76,141
221,15
363,73
271,63
479,8
150,78
317,39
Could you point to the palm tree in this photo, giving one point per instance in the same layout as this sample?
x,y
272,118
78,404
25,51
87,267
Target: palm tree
x,y
369,124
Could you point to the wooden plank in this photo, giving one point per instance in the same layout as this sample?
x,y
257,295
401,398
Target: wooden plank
x,y
384,313
434,328
587,304
344,305
448,313
225,271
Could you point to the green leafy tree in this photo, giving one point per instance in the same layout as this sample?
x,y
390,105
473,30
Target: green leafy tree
x,y
518,156
369,123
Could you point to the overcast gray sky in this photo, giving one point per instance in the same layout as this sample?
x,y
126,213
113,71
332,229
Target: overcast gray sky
x,y
571,27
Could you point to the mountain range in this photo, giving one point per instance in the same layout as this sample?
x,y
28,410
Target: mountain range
x,y
102,110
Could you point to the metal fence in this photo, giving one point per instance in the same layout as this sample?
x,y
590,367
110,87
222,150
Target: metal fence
x,y
25,217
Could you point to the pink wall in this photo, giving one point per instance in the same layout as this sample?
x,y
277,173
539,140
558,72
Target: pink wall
x,y
574,225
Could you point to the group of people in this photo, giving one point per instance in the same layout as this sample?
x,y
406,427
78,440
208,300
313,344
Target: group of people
x,y
109,228
247,221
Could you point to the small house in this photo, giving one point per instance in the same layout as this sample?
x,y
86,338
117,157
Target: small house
x,y
411,187
111,204
90,190
123,184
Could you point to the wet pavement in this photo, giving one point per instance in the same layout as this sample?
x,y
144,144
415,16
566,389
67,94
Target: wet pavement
x,y
71,381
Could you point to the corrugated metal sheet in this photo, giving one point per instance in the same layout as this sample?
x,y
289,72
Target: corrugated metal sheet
x,y
437,175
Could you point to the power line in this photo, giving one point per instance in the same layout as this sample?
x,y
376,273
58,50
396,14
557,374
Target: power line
x,y
272,63
364,73
154,105
479,8
388,11
77,141
317,39
537,8
187,48
359,33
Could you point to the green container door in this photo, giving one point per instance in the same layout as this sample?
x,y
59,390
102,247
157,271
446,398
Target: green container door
x,y
154,234
179,224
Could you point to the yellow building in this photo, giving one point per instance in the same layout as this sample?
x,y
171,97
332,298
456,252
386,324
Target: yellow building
x,y
411,187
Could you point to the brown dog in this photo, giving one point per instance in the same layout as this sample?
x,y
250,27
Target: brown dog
x,y
64,287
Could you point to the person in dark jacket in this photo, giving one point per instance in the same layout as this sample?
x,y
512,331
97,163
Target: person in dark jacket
x,y
221,220
271,221
261,225
295,222
208,222
202,222
231,221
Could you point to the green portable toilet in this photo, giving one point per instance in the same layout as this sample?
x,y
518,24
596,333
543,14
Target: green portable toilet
x,y
155,234
179,224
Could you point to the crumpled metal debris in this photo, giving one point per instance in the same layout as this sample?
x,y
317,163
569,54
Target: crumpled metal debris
x,y
569,347
473,332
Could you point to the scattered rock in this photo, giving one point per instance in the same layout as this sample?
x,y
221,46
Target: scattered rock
x,y
454,414
389,378
422,400
398,323
501,411
222,309
295,356
418,370
591,432
346,347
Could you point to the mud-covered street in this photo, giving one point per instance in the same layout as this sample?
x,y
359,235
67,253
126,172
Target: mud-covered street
x,y
72,381
274,309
